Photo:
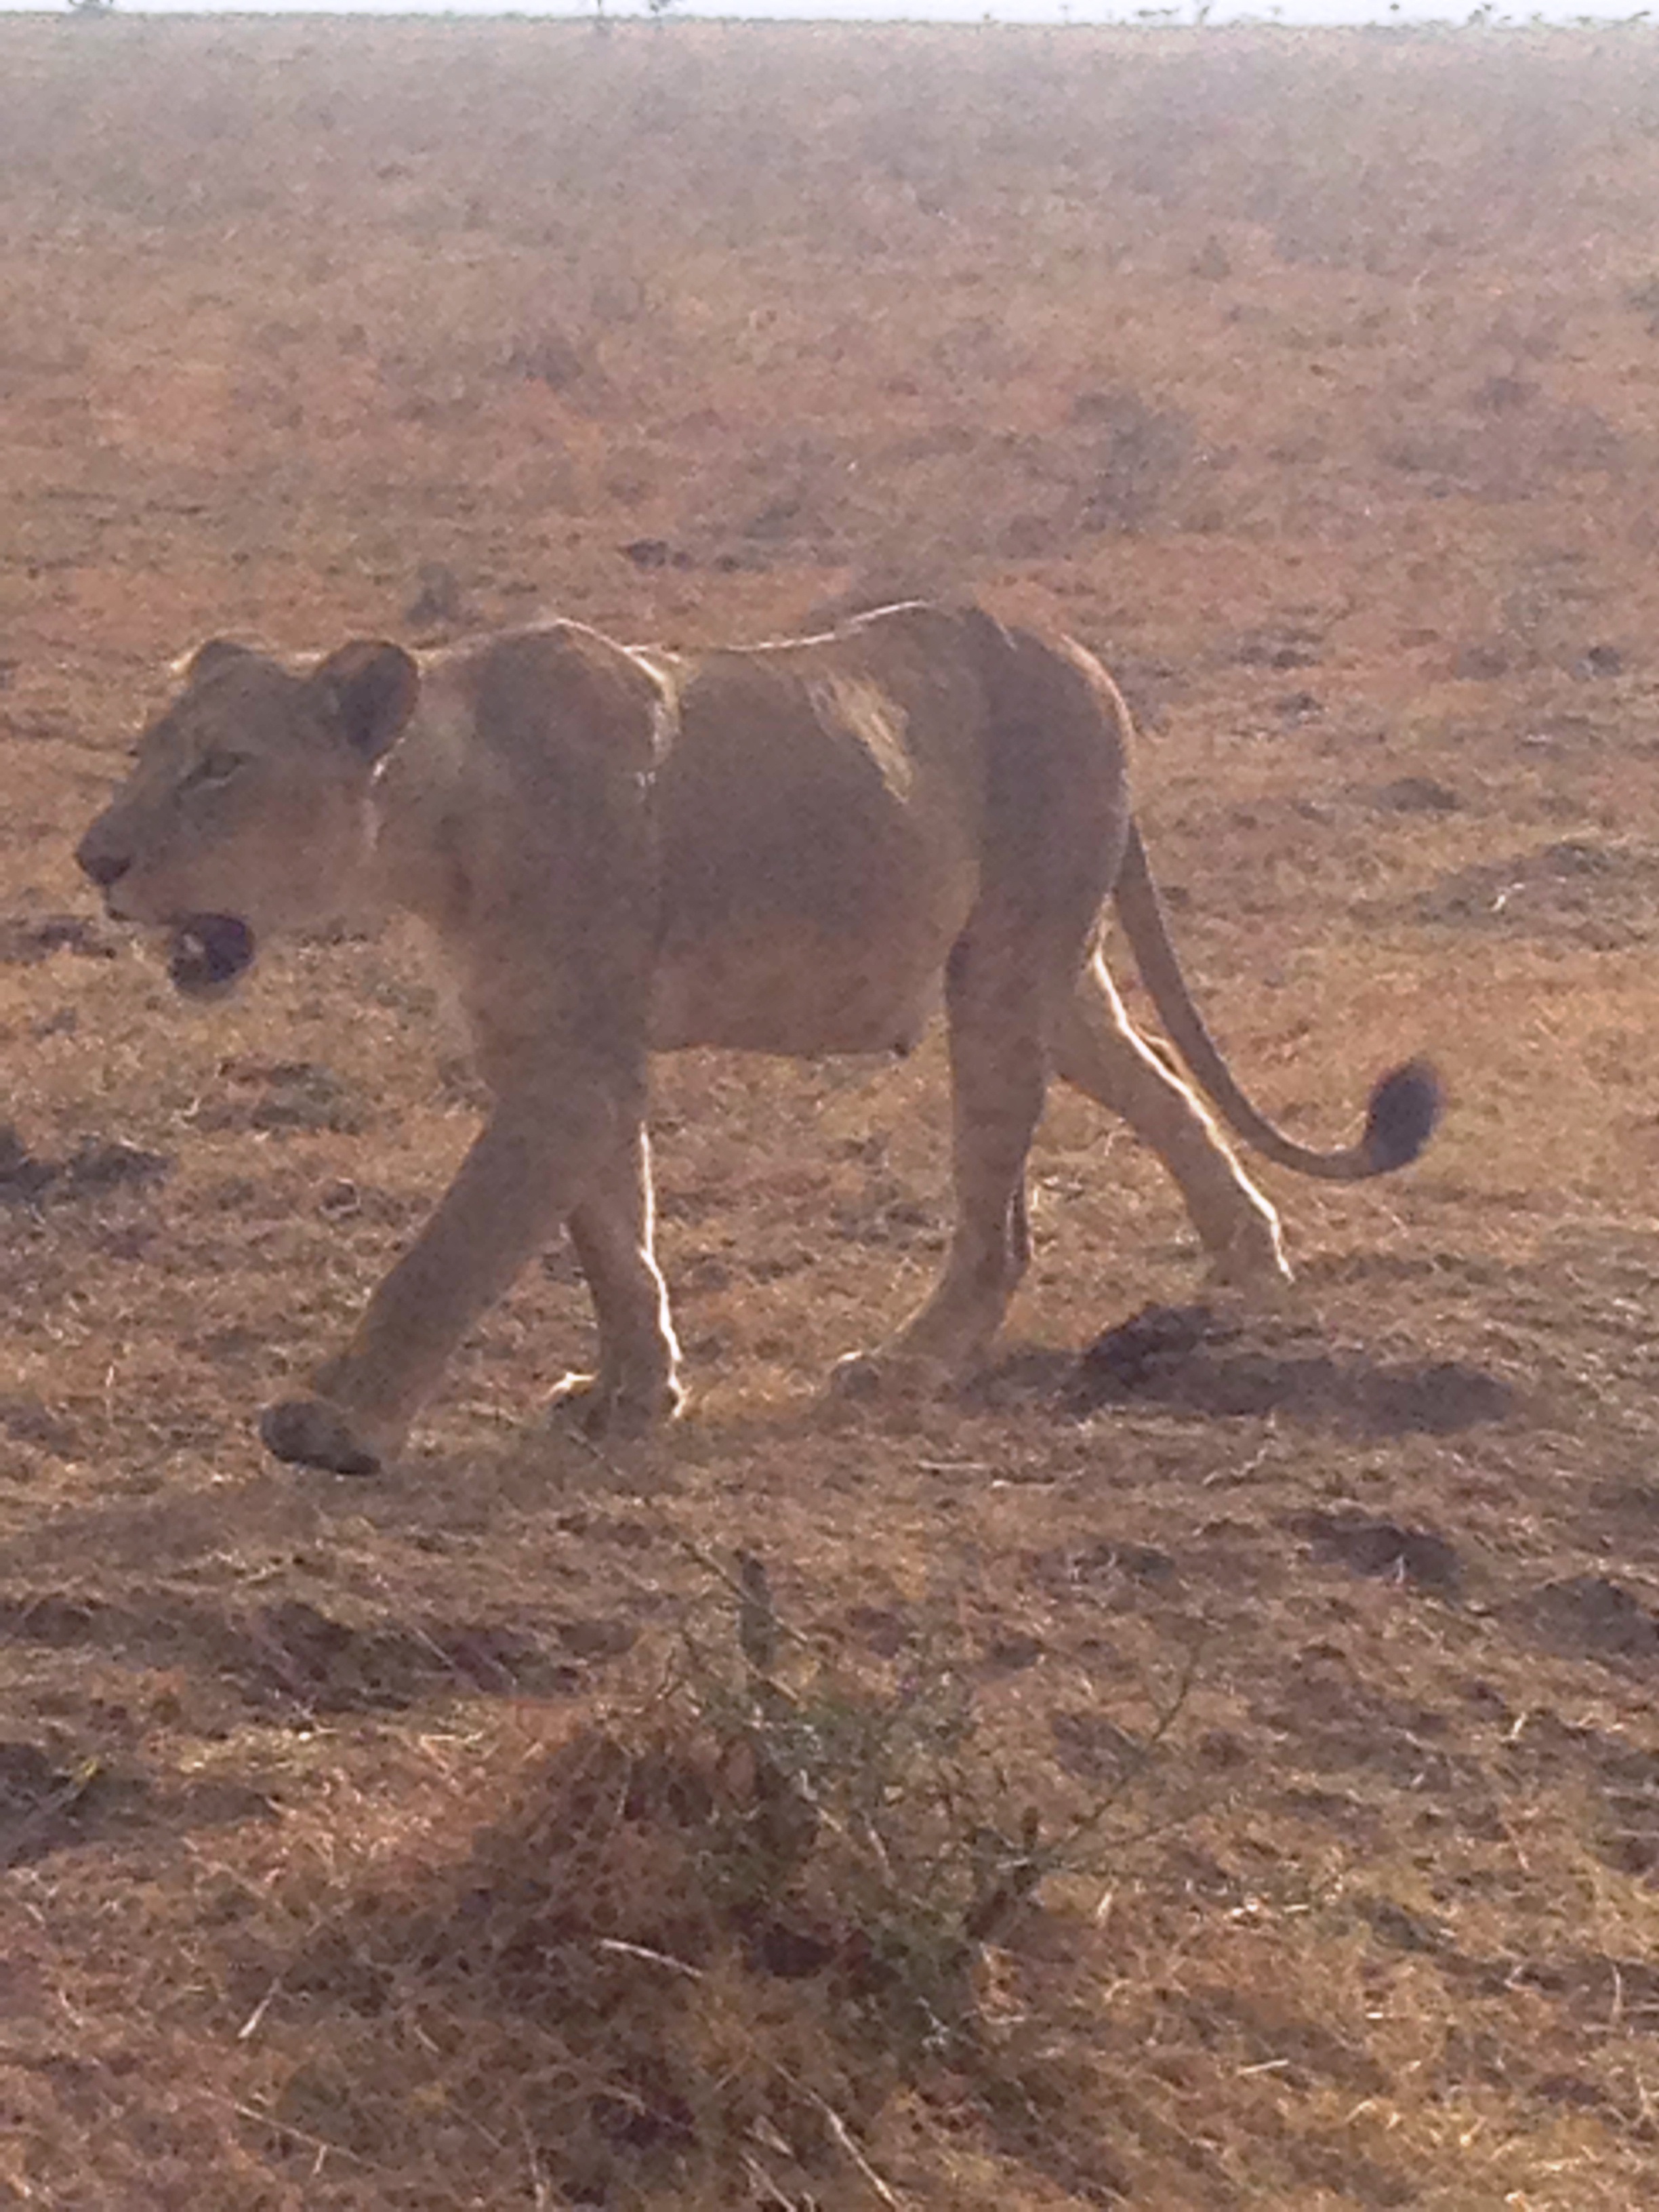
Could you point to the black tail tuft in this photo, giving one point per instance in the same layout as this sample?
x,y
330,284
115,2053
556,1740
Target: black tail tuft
x,y
1406,1106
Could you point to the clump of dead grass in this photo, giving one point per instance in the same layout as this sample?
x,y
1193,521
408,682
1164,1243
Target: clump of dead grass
x,y
687,1951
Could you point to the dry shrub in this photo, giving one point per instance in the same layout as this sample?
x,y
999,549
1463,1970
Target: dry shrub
x,y
570,1983
692,1950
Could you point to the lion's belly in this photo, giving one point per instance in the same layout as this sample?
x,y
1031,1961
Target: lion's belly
x,y
789,987
821,839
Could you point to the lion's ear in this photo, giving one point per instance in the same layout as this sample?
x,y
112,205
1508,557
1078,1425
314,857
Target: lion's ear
x,y
217,653
370,688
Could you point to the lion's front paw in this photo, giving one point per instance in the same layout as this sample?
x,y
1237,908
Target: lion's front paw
x,y
604,1409
310,1432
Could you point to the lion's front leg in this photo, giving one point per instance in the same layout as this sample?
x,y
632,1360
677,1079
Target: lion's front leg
x,y
527,1170
637,1384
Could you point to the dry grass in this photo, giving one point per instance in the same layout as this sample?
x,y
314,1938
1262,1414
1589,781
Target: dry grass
x,y
357,1854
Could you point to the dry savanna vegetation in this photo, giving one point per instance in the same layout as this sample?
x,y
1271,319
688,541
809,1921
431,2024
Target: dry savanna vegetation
x,y
1216,1768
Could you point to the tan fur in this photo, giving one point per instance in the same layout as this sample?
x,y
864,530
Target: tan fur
x,y
788,848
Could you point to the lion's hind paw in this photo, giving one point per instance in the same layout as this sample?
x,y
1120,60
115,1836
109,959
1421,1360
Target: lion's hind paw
x,y
604,1409
870,1377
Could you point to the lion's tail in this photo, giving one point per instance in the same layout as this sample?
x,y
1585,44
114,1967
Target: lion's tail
x,y
1404,1105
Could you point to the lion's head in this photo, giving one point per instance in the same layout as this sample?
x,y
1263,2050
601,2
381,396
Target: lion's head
x,y
248,809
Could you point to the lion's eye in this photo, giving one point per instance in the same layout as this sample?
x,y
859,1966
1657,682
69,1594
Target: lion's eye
x,y
216,767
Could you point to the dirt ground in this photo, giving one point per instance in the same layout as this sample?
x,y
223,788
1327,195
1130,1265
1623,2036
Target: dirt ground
x,y
1312,380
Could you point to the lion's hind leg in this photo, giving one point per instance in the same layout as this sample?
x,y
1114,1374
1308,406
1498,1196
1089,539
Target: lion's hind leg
x,y
996,995
1097,1049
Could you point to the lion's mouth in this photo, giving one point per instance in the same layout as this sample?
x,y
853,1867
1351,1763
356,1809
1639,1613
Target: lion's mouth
x,y
209,953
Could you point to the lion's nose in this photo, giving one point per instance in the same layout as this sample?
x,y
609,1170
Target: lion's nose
x,y
104,867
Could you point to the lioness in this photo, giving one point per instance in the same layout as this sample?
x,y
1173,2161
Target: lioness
x,y
782,848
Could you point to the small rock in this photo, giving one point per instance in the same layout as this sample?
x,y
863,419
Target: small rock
x,y
1211,262
1298,706
1397,1924
1013,1653
1417,794
884,1631
1479,664
439,602
597,1639
28,1420
1417,1556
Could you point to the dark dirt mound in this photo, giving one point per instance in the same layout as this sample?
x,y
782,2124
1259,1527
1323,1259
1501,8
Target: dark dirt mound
x,y
1418,1557
1591,1616
96,1165
1190,1357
